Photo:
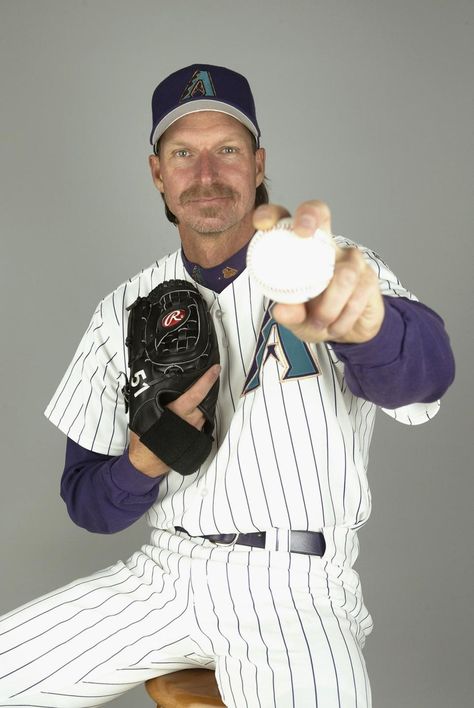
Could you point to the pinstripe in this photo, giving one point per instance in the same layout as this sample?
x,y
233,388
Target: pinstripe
x,y
369,429
333,379
282,637
259,469
140,638
213,605
113,417
176,258
107,365
228,365
252,600
306,522
41,705
124,320
330,650
79,695
64,622
225,485
344,638
114,308
100,414
199,625
239,633
60,392
87,403
69,639
75,418
175,645
315,462
333,539
326,434
343,441
69,402
347,648
344,486
50,596
301,624
359,482
251,312
239,465
236,316
277,466
221,669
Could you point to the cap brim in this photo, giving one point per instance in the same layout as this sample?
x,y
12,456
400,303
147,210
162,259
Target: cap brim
x,y
202,105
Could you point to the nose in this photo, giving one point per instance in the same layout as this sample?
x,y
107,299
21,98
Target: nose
x,y
206,168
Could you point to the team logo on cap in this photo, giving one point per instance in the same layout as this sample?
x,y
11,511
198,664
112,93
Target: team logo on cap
x,y
199,85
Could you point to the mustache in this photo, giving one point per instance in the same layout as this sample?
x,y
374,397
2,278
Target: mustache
x,y
198,192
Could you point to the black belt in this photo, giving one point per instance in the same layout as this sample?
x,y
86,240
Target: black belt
x,y
309,542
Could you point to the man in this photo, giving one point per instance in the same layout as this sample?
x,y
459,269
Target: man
x,y
249,568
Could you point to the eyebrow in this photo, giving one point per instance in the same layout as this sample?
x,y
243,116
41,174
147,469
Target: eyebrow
x,y
227,138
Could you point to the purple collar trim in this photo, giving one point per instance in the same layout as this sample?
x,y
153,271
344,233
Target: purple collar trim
x,y
220,276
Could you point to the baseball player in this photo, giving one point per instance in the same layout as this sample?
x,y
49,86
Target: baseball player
x,y
254,518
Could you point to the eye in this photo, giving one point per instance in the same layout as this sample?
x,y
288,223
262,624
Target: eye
x,y
229,150
182,153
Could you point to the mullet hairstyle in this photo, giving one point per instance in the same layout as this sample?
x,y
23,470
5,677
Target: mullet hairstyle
x,y
261,193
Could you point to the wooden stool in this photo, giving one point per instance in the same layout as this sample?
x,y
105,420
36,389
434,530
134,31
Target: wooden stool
x,y
188,688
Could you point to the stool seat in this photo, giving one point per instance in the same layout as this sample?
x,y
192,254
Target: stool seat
x,y
188,688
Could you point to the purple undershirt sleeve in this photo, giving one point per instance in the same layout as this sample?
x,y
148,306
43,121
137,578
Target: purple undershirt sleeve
x,y
409,361
104,494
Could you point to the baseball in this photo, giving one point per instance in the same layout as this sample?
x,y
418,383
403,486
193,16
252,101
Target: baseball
x,y
289,268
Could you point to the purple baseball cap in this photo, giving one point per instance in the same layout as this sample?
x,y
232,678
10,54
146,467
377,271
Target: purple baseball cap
x,y
202,87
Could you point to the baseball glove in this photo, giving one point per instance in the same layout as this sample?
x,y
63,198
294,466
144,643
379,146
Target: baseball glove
x,y
171,342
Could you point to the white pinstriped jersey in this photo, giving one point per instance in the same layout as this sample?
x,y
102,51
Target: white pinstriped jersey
x,y
291,441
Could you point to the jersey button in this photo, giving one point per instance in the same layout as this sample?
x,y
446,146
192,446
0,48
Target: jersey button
x,y
219,314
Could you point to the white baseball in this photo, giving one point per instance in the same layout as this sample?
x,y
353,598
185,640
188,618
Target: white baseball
x,y
289,268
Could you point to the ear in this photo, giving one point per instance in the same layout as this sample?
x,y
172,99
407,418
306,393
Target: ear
x,y
259,166
154,162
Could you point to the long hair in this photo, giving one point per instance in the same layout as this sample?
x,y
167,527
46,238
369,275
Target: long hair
x,y
261,193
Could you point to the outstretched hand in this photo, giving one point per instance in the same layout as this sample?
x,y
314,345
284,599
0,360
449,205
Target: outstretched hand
x,y
351,309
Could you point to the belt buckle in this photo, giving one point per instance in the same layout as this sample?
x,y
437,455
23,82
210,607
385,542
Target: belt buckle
x,y
227,544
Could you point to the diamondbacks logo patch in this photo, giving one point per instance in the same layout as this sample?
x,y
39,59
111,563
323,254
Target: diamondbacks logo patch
x,y
199,86
295,358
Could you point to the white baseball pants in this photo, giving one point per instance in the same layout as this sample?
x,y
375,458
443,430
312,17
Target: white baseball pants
x,y
281,630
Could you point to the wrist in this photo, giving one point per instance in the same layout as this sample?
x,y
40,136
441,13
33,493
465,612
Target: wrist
x,y
144,460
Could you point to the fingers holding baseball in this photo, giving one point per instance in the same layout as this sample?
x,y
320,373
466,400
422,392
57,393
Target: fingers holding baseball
x,y
349,307
349,310
267,215
308,217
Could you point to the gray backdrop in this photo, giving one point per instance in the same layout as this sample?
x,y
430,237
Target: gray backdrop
x,y
366,104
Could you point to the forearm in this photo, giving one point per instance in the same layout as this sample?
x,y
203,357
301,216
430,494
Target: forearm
x,y
104,494
410,360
